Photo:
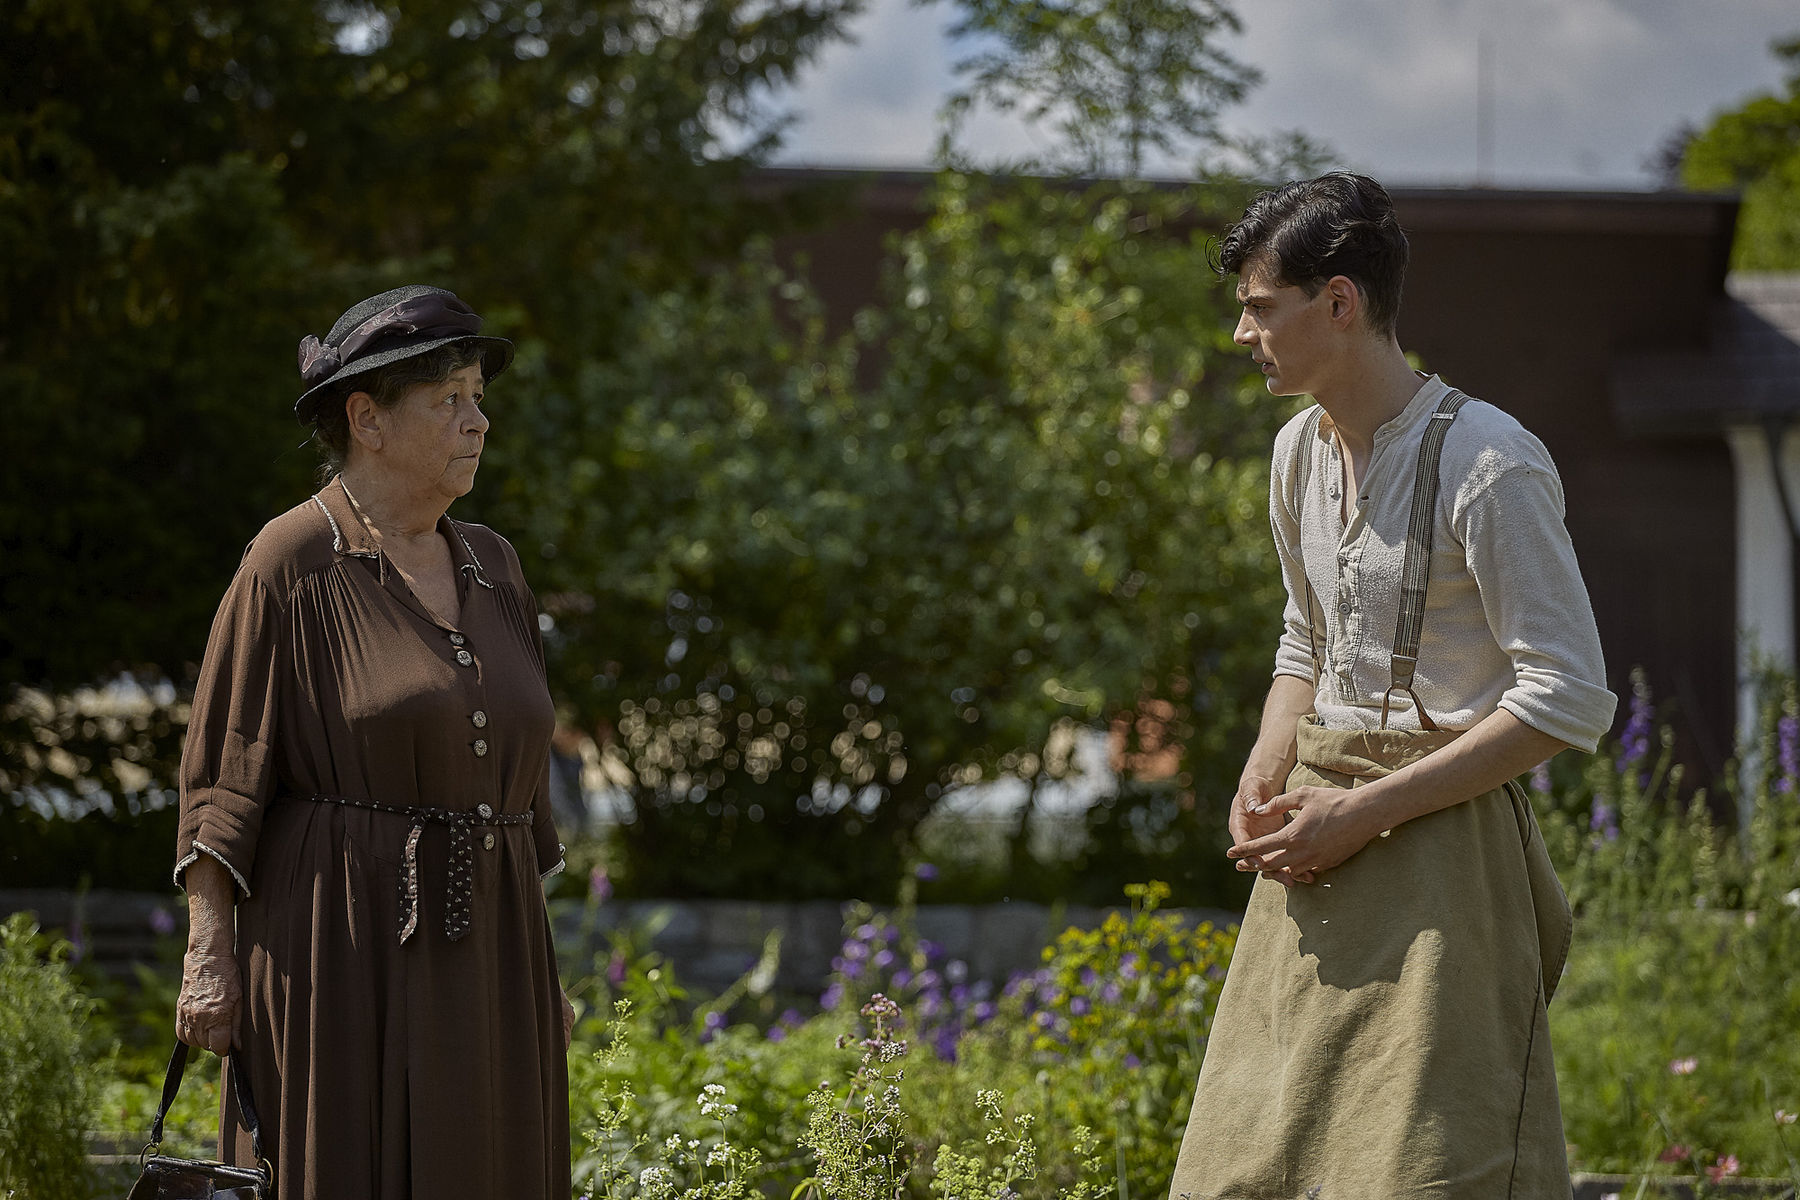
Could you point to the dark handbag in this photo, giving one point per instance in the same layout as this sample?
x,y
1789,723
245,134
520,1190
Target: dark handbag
x,y
167,1178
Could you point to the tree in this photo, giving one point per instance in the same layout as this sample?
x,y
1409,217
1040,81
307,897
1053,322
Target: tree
x,y
1118,77
185,191
811,597
1756,148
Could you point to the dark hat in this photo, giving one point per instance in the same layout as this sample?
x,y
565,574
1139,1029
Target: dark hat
x,y
403,323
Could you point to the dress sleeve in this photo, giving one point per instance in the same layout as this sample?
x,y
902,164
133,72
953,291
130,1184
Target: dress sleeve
x,y
543,826
1537,607
227,762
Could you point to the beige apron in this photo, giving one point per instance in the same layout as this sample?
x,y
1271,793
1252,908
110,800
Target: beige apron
x,y
1382,1033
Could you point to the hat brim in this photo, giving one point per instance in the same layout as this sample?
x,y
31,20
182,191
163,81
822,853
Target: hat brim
x,y
496,356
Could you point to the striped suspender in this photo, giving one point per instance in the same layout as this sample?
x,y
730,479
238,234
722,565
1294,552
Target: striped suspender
x,y
1416,574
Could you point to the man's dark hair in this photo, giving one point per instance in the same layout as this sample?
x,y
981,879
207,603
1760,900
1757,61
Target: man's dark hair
x,y
1313,229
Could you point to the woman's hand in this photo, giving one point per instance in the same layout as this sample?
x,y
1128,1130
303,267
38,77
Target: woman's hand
x,y
568,1011
206,1012
1327,827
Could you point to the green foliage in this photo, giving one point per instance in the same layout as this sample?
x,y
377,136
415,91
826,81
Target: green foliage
x,y
184,191
43,1067
1118,77
1673,1022
1756,148
839,576
85,781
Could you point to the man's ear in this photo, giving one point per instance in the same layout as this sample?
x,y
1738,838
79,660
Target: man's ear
x,y
366,424
1345,299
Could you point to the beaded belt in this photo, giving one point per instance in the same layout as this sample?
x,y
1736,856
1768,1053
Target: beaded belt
x,y
459,895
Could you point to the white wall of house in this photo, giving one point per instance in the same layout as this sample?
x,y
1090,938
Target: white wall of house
x,y
1765,575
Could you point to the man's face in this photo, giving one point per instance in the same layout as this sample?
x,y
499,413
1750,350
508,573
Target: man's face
x,y
1286,331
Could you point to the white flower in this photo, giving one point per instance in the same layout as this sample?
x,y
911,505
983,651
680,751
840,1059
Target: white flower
x,y
655,1177
718,1155
712,1102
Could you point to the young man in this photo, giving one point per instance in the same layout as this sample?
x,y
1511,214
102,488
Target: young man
x,y
1382,1031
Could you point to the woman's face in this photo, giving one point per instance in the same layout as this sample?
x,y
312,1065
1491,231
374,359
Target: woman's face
x,y
432,439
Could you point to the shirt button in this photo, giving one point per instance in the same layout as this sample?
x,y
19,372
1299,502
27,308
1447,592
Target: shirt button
x,y
480,719
480,747
487,843
465,658
484,810
457,639
1344,608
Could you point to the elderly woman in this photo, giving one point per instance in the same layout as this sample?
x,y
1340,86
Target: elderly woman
x,y
365,816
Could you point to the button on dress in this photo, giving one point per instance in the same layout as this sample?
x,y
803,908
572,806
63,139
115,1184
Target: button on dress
x,y
381,1068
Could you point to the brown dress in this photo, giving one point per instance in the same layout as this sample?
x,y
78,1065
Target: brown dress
x,y
381,1068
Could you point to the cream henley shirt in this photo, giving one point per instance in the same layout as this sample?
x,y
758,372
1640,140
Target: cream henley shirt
x,y
1507,618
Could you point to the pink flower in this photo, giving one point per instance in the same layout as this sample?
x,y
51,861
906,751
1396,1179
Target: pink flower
x,y
1725,1166
1683,1066
1675,1153
1783,1117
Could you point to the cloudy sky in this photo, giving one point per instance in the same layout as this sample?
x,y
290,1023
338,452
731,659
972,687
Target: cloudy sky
x,y
1583,91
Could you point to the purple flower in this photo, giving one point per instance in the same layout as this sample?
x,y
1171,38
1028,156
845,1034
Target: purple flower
x,y
925,872
1603,819
902,978
791,1017
1132,1063
866,932
929,980
884,958
1787,753
1540,778
956,970
599,885
1089,977
776,1034
834,996
1634,743
985,1011
715,1021
1078,1006
1111,993
162,922
1044,1020
944,1042
930,949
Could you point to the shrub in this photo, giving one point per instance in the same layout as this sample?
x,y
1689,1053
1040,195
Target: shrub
x,y
43,1067
1674,1022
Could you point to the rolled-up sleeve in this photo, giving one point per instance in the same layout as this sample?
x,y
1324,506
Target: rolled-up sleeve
x,y
227,761
1294,652
1537,606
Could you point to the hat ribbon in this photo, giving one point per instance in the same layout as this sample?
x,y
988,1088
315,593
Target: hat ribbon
x,y
434,315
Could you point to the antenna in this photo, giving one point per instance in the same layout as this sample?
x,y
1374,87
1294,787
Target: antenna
x,y
1484,109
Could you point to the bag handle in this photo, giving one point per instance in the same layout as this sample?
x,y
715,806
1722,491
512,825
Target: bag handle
x,y
240,1079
